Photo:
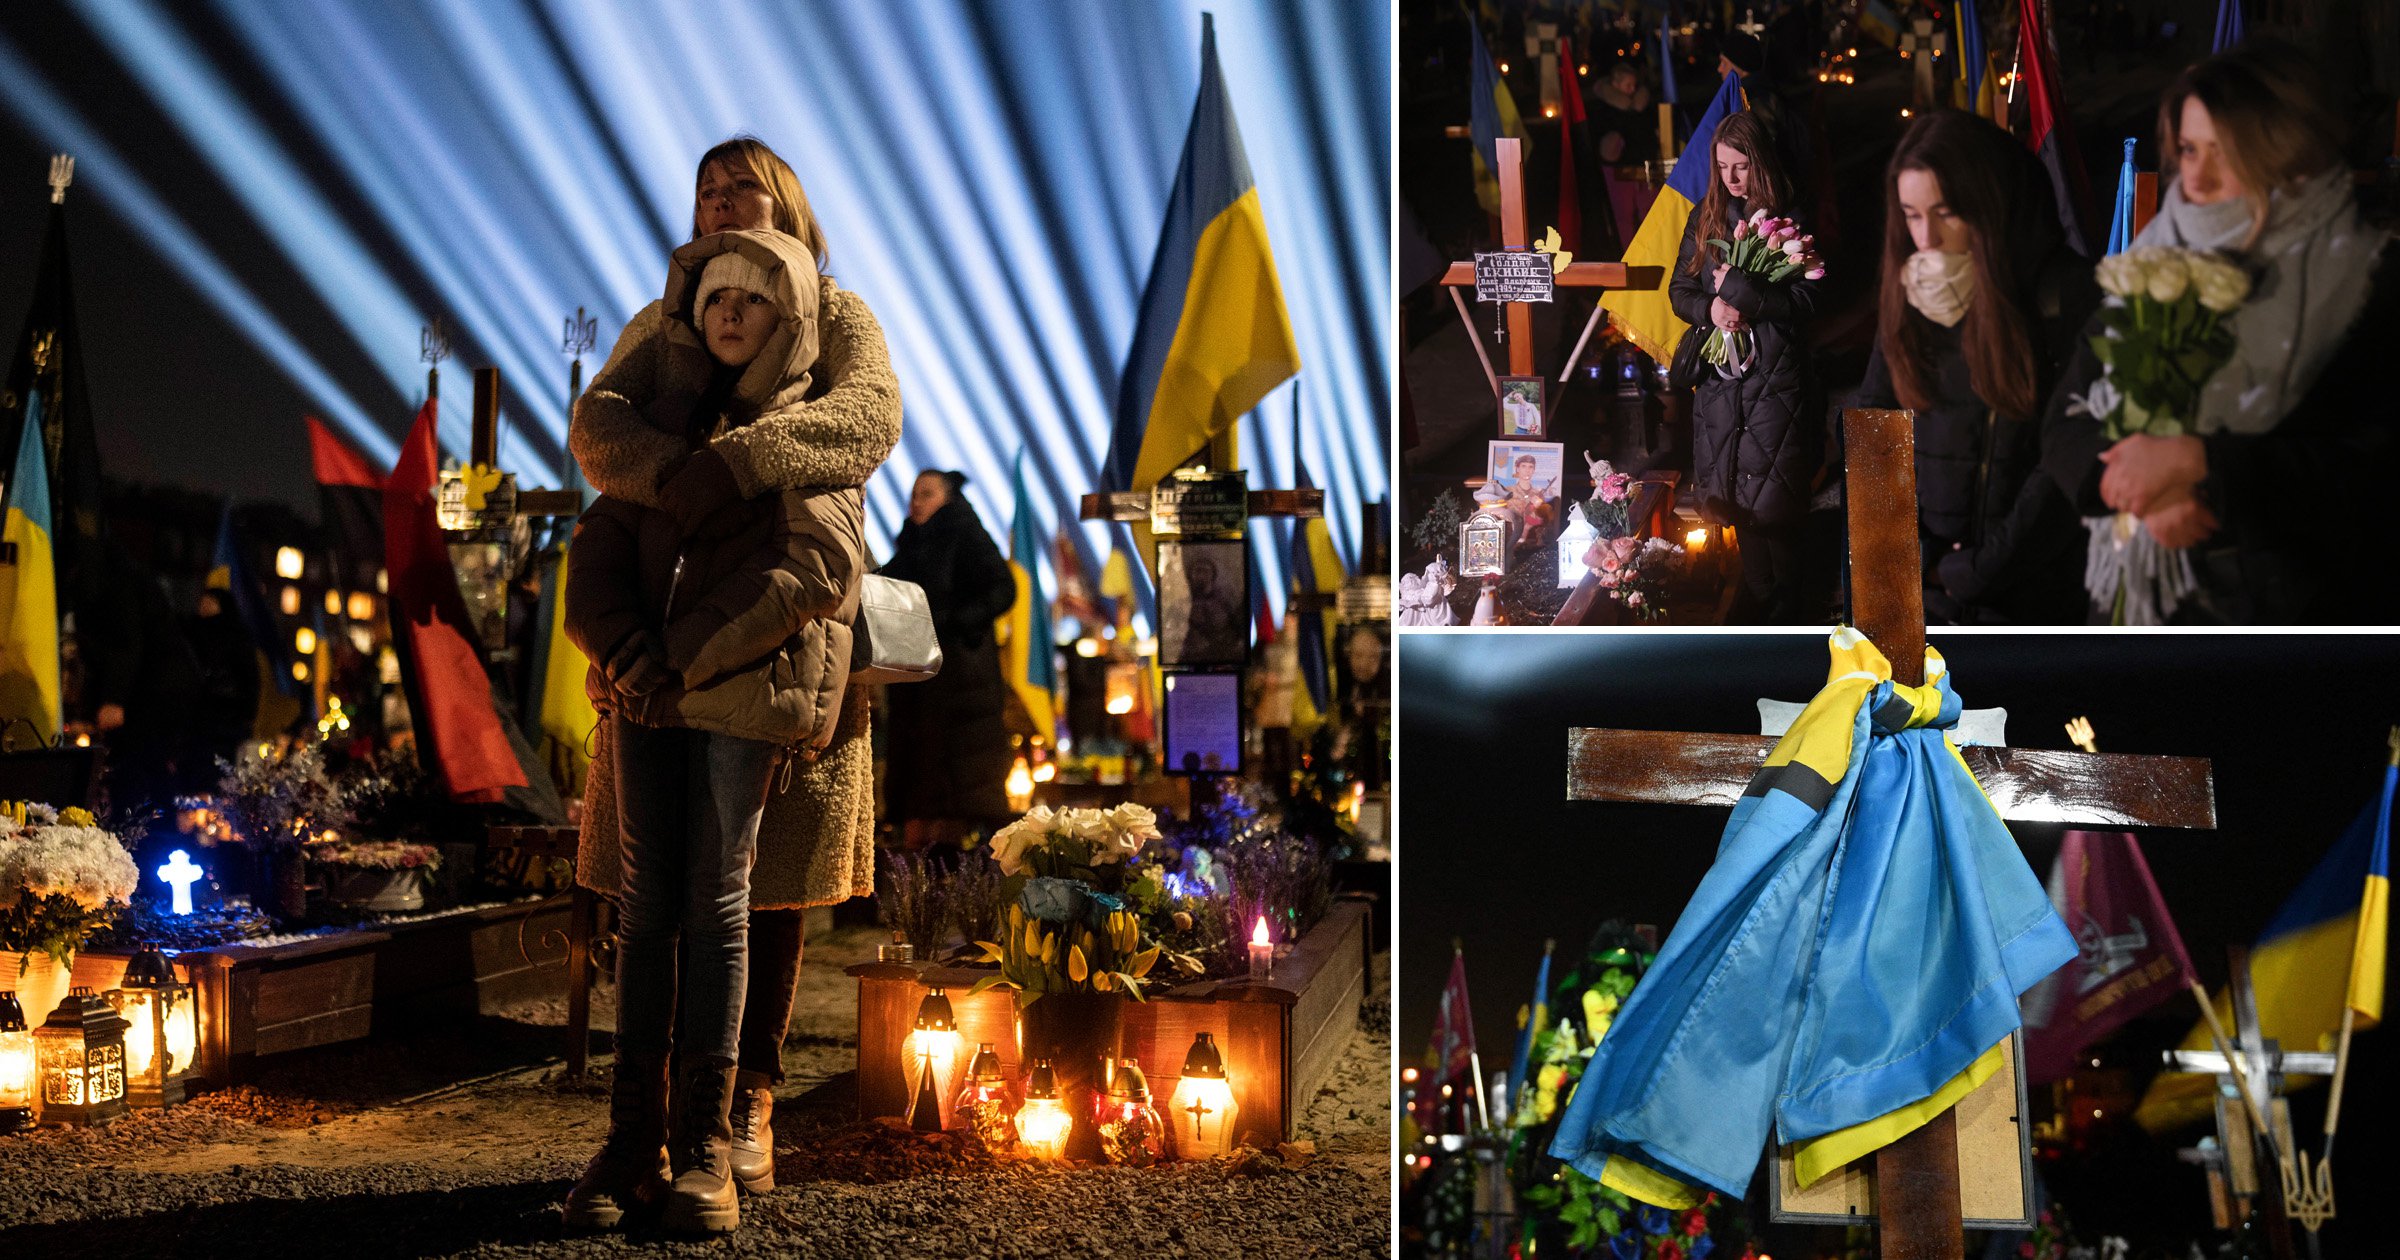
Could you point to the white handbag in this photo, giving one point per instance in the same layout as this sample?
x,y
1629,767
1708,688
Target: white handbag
x,y
892,640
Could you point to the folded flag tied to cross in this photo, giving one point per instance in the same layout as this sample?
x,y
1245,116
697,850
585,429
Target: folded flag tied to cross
x,y
1848,968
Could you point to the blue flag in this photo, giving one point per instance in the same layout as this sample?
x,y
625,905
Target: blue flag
x,y
2120,227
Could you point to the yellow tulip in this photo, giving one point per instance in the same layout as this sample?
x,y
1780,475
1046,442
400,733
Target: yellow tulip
x,y
1077,969
1101,981
1144,961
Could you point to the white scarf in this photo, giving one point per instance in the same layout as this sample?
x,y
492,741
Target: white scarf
x,y
2311,272
1939,285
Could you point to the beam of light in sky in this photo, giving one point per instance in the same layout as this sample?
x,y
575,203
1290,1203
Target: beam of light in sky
x,y
106,173
991,178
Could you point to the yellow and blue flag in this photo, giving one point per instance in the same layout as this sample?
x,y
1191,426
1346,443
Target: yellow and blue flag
x,y
1536,1017
1316,570
29,685
1491,114
1878,21
2323,951
1027,642
1976,89
1213,336
1645,315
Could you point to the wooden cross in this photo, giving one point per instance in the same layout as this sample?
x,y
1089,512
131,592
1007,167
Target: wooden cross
x,y
1924,44
1916,1189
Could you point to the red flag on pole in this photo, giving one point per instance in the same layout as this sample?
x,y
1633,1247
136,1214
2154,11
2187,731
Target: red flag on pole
x,y
1453,1060
2048,133
458,733
1570,191
2129,955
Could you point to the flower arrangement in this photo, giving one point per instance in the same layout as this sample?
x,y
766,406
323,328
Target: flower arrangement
x,y
914,899
375,855
61,878
1767,246
1610,507
2162,335
1072,891
1632,569
280,798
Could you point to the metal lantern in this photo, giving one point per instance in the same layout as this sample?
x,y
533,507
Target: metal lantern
x,y
16,1064
1203,1105
1487,543
932,1060
1043,1122
162,1030
982,1105
1131,1132
79,1061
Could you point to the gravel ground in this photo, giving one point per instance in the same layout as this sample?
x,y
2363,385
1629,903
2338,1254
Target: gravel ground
x,y
466,1145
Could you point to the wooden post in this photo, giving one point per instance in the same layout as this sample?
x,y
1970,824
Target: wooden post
x,y
485,450
1513,236
2145,199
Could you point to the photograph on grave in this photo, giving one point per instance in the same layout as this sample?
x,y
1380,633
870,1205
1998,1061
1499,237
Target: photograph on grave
x,y
1793,950
1711,229
1521,407
1521,483
739,648
1203,604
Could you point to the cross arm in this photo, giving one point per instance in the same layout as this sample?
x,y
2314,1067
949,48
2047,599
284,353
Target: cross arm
x,y
2025,784
2290,1063
1582,275
1134,505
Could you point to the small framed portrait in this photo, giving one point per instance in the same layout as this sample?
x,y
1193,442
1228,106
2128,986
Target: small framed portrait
x,y
1204,723
1521,408
1203,605
1524,482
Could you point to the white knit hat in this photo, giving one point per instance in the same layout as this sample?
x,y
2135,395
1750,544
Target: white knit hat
x,y
730,270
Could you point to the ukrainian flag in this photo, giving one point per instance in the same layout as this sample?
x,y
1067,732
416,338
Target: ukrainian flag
x,y
1976,89
1880,23
1316,569
1213,336
2323,952
1645,315
29,687
1491,114
1025,634
563,709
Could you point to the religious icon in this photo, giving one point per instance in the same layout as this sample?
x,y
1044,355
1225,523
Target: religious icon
x,y
1521,407
1523,485
1203,604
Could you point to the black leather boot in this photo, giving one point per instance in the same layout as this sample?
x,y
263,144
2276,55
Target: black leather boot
x,y
629,1175
700,1150
752,1120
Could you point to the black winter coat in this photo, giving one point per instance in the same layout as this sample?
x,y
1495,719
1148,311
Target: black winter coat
x,y
2305,530
2001,543
949,755
1757,439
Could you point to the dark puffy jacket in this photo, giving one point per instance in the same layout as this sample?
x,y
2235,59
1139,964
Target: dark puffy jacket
x,y
2001,544
949,752
1757,439
2305,534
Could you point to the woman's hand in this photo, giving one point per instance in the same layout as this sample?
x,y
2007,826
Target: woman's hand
x,y
1722,314
2146,473
1716,279
2185,522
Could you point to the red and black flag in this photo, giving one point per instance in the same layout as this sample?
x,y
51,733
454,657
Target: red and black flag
x,y
459,733
351,492
2050,135
49,361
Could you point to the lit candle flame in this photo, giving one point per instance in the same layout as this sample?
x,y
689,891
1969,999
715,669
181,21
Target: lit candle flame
x,y
1258,935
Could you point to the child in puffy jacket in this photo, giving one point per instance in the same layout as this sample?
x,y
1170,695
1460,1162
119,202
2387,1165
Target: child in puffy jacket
x,y
716,653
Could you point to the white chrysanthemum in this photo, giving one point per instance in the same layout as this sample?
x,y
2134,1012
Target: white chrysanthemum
x,y
84,864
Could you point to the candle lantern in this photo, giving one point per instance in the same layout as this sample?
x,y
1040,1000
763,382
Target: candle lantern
x,y
79,1061
1487,543
1203,1103
162,1032
1020,785
982,1106
16,1065
1262,953
932,1061
1042,1123
1131,1131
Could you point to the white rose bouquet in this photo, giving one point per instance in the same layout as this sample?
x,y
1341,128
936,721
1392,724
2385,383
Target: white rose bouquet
x,y
60,880
2162,334
1071,925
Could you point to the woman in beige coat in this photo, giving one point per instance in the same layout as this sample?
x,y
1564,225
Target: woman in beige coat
x,y
816,841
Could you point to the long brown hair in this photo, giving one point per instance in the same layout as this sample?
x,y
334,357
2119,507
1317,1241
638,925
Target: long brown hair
x,y
1998,191
2274,121
792,215
1744,133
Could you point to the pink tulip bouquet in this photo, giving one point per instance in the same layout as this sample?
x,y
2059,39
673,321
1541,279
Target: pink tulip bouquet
x,y
1767,246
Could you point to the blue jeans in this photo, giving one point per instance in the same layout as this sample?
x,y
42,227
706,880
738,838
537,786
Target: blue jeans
x,y
688,804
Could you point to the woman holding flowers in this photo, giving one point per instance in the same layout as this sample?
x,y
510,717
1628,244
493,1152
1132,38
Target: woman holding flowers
x,y
2267,468
1980,302
1757,444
